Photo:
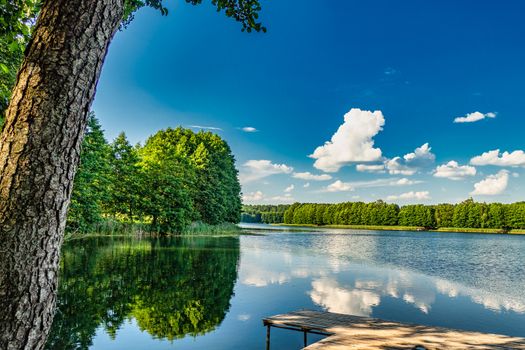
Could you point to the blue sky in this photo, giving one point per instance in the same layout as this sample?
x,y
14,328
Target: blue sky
x,y
381,81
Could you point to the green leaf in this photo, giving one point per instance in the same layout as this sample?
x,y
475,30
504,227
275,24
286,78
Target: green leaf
x,y
4,68
14,46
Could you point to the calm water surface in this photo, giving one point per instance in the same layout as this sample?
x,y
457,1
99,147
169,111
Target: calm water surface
x,y
211,293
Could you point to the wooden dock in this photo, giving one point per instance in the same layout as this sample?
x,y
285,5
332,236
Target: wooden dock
x,y
363,333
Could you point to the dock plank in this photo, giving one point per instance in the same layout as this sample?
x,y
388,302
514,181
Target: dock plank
x,y
363,333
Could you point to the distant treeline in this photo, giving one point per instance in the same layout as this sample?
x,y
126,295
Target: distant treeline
x,y
267,214
177,178
467,214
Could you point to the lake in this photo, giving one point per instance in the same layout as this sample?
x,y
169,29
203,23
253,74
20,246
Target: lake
x,y
211,293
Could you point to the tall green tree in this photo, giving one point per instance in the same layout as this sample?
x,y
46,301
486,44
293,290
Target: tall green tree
x,y
125,178
92,181
169,180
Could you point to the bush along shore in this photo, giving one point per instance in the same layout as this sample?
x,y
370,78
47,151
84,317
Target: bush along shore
x,y
467,216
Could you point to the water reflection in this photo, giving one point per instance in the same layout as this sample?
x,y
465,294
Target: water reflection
x,y
328,293
212,293
352,274
417,290
169,287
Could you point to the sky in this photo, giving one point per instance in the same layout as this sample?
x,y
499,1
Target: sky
x,y
405,101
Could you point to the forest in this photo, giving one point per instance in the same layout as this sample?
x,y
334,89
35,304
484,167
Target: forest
x,y
177,178
467,214
267,214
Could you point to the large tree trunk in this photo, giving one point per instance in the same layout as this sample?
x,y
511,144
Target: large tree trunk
x,y
39,153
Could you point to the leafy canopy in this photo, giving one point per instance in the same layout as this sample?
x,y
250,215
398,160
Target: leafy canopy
x,y
245,12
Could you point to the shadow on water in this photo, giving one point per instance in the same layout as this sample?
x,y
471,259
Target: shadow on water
x,y
171,287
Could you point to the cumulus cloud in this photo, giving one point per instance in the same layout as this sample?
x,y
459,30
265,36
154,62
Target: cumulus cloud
x,y
339,186
249,129
396,166
260,197
422,156
420,195
253,197
370,168
515,158
352,142
309,176
257,169
410,163
492,185
474,117
289,189
453,171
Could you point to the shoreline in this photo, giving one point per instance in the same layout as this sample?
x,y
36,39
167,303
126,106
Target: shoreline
x,y
410,228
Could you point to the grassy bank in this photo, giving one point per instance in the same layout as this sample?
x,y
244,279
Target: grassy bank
x,y
409,228
479,230
116,228
201,229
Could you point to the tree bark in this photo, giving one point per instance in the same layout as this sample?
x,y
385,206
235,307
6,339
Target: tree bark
x,y
39,153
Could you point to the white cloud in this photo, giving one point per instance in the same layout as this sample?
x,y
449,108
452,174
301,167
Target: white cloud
x,y
306,185
289,189
492,184
421,156
420,195
352,142
249,129
370,168
453,171
404,182
515,158
474,117
259,197
395,166
205,127
384,182
257,169
309,176
253,197
287,198
339,186
411,162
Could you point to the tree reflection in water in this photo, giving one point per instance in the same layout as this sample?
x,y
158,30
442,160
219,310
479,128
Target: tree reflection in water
x,y
172,287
